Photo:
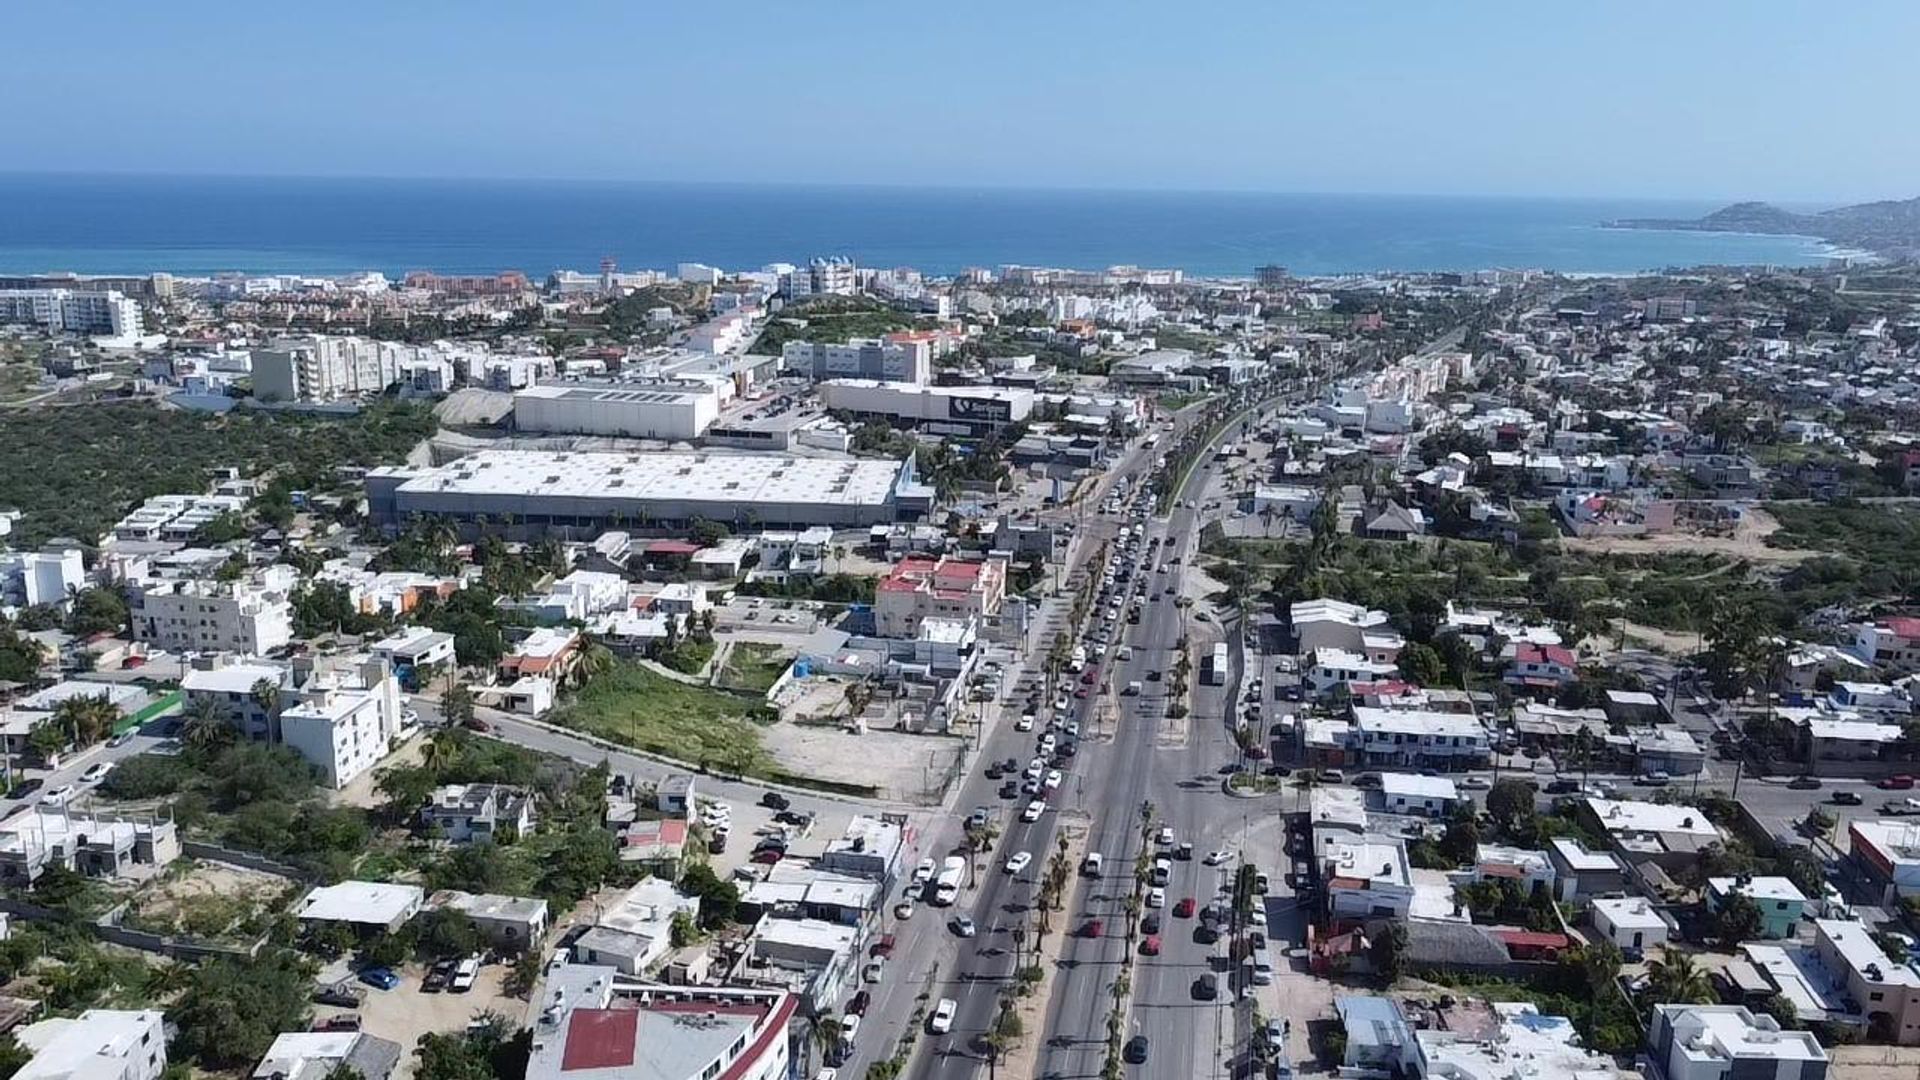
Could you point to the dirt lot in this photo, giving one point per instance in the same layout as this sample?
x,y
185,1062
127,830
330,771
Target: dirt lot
x,y
211,901
1747,542
1874,1062
405,1013
908,768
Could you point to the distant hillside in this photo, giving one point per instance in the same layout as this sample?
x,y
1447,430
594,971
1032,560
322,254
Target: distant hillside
x,y
1890,228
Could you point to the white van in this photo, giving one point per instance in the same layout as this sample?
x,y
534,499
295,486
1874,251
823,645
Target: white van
x,y
1090,866
1262,966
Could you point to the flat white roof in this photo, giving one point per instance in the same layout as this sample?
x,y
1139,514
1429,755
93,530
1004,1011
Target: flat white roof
x,y
1630,913
1415,786
1730,1032
1850,940
1417,722
95,1044
231,679
1758,888
663,475
372,902
1645,817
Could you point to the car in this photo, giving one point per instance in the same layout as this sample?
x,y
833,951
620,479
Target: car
x,y
474,723
1033,811
1025,723
1018,861
767,856
962,926
1184,850
923,873
1364,780
1165,837
941,1020
379,978
1476,783
437,977
1150,924
858,1003
1656,778
903,910
1206,987
979,818
1276,1036
1080,693
1053,779
1900,807
1157,897
882,948
1010,789
1804,783
464,975
1135,1052
1092,928
1847,798
874,971
1332,776
793,817
1219,857
96,772
994,771
1150,945
1563,787
123,738
57,796
1184,909
1258,916
342,994
1896,782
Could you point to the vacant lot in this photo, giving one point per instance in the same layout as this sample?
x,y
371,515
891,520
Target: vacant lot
x,y
752,667
647,710
210,902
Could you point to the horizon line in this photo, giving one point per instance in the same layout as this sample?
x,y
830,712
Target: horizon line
x,y
138,174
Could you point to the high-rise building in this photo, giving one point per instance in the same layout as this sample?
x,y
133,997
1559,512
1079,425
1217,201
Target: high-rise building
x,y
316,368
70,311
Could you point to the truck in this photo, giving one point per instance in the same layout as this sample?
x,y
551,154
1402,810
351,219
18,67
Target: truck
x,y
946,887
1217,665
1133,689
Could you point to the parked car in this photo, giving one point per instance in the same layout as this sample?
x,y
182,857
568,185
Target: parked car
x,y
343,994
874,971
962,926
437,977
338,1022
1150,945
1896,782
1150,923
1136,1049
1847,798
464,975
773,800
1184,909
1092,928
882,947
96,772
1804,783
857,1004
379,977
1206,987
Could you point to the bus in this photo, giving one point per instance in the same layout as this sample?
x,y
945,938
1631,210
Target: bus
x,y
1217,665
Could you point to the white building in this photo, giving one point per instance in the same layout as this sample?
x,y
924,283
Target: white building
x,y
373,905
1630,922
1729,1042
1324,623
635,934
176,519
594,1026
250,616
48,576
952,410
71,311
1368,878
464,813
344,722
99,1044
1329,667
1410,793
229,685
313,367
1419,738
908,361
664,410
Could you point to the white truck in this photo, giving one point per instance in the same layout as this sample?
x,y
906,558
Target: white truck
x,y
1217,665
946,887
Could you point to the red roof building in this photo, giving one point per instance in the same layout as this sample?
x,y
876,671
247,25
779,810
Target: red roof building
x,y
591,1029
921,588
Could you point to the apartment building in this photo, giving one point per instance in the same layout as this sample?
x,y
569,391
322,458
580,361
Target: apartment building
x,y
253,615
312,367
99,1044
1728,1042
952,589
344,721
70,311
907,361
45,577
176,519
239,689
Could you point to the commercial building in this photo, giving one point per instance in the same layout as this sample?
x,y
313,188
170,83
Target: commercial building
x,y
1728,1042
1888,851
249,616
1335,624
663,410
593,1025
909,361
70,311
99,1044
1419,738
529,492
920,588
942,410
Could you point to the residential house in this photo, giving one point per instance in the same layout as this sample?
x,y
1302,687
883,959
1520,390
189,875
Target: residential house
x,y
99,1044
314,1055
510,923
1780,902
465,813
1410,793
1888,992
635,933
366,906
1631,922
415,650
101,846
1541,668
1728,1042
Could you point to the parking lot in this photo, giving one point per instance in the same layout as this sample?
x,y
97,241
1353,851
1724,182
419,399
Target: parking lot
x,y
406,1012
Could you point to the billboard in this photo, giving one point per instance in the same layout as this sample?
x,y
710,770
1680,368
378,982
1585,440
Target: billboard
x,y
979,410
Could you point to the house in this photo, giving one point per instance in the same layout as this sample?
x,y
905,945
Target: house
x,y
1529,869
415,652
594,1026
1780,902
1669,749
1368,878
1672,835
656,845
1826,736
675,795
511,923
1333,624
1541,667
314,1055
464,813
1410,793
1892,643
1516,1039
1419,738
1888,993
1633,707
1378,1038
1397,522
919,588
99,1044
1871,699
1888,854
547,652
681,598
1728,1042
1631,922
89,844
635,933
366,906
1330,668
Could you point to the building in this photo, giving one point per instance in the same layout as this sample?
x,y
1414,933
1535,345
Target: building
x,y
72,311
1329,668
1780,902
964,411
921,588
532,492
99,1044
1671,835
870,848
253,616
905,361
1888,993
88,844
512,923
46,577
1630,922
1378,1038
1419,738
635,934
593,1025
1368,878
343,721
314,1055
1529,869
644,410
176,519
1410,793
1728,1042
1892,643
465,813
414,651
1888,851
1334,624
1519,1041
317,368
368,906
1669,749
244,690
1541,667
1580,872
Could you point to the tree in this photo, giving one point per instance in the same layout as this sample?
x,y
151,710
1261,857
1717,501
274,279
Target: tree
x,y
445,934
457,705
86,718
1387,949
1422,664
266,694
97,611
1782,1009
233,1009
206,728
1675,979
1509,803
719,899
47,739
827,1032
1462,841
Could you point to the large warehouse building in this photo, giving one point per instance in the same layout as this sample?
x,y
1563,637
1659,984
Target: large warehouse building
x,y
529,492
663,410
943,410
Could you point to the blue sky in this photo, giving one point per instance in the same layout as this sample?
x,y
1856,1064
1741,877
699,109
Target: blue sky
x,y
1788,101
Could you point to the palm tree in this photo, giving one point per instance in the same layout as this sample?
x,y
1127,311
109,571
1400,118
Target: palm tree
x,y
207,728
266,694
86,718
441,751
1675,979
826,1036
594,659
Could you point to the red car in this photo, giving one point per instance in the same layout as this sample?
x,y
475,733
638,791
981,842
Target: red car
x,y
1092,928
1080,693
1087,677
857,1005
1151,946
883,947
1183,909
1900,782
769,856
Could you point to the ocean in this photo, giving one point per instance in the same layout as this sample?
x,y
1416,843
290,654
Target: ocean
x,y
200,225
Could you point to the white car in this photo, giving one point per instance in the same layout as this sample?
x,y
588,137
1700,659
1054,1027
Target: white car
x,y
1033,811
1018,861
57,796
1048,744
1476,783
941,1021
464,975
1259,916
924,872
1025,723
1156,897
1053,779
1166,836
873,971
1036,768
1219,858
97,773
1073,728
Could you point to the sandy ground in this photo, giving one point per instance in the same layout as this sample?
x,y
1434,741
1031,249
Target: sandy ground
x,y
1747,542
405,1013
168,899
1874,1062
905,767
1638,636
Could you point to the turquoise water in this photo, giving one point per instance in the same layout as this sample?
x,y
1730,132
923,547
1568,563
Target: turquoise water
x,y
123,224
